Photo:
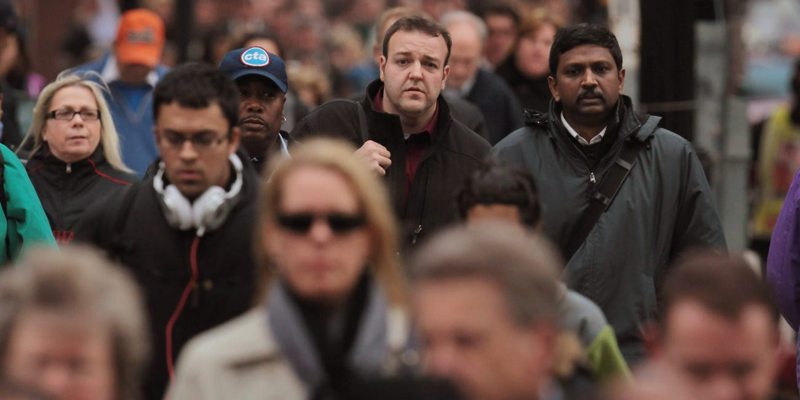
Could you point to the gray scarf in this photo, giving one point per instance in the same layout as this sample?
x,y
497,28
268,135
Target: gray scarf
x,y
297,345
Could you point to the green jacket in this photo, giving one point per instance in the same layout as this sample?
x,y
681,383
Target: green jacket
x,y
664,207
25,223
579,315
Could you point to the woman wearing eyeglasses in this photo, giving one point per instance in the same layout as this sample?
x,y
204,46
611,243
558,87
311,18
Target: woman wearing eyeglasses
x,y
332,309
75,159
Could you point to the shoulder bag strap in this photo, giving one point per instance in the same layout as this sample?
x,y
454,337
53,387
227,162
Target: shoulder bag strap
x,y
608,189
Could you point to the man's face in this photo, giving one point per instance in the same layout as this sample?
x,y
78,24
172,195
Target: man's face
x,y
195,145
502,32
587,84
468,336
533,51
724,359
67,358
465,55
414,73
260,108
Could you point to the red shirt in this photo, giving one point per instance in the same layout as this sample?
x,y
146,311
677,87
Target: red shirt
x,y
416,144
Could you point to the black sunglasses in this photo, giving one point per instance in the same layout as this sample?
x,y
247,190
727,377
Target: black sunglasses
x,y
339,223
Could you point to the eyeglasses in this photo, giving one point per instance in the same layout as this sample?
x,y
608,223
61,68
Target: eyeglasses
x,y
68,115
199,142
339,223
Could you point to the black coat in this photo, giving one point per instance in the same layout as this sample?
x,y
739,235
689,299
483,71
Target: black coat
x,y
132,228
498,104
68,190
533,93
455,153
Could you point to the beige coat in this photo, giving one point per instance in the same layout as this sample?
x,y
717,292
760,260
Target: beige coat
x,y
241,360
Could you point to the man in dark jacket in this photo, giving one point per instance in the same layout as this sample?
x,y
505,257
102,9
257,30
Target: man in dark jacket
x,y
468,80
186,232
663,207
261,79
412,140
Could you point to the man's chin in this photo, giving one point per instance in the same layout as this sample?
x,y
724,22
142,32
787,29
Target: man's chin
x,y
253,135
190,189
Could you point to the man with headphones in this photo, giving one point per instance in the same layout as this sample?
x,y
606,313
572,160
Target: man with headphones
x,y
262,82
185,233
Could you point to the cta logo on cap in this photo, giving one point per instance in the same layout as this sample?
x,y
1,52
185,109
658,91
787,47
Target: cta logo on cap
x,y
255,57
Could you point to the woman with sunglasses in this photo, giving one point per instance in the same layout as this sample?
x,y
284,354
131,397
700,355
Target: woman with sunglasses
x,y
332,309
75,159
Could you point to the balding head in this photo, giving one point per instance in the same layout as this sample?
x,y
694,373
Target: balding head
x,y
469,34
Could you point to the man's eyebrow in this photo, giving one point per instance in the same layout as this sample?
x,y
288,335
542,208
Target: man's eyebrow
x,y
200,132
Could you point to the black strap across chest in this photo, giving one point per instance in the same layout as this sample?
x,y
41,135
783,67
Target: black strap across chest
x,y
608,188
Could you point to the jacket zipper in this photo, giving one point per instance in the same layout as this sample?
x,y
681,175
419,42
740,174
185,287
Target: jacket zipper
x,y
592,177
69,168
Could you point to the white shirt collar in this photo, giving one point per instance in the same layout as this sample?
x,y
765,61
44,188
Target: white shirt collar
x,y
284,146
110,72
581,140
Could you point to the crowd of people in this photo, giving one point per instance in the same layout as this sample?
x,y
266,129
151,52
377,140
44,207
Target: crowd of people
x,y
476,212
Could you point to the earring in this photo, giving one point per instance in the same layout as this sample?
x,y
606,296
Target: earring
x,y
283,120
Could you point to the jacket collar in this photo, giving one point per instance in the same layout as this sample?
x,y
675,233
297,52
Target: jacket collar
x,y
626,120
383,119
46,157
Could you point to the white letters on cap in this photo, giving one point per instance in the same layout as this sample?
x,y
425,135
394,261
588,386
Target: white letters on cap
x,y
255,57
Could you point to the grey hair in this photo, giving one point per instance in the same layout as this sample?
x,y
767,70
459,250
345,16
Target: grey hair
x,y
525,268
108,133
457,16
77,281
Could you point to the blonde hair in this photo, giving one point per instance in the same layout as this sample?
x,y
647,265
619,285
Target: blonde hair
x,y
535,19
108,133
337,156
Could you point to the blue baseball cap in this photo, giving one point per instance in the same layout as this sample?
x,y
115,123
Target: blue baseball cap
x,y
255,61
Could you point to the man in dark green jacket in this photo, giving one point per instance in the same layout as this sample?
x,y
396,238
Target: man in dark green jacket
x,y
662,208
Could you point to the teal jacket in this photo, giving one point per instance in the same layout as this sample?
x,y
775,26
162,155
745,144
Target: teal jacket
x,y
25,223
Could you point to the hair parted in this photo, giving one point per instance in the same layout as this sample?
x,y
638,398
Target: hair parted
x,y
337,156
109,139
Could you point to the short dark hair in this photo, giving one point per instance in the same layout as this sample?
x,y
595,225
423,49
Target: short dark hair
x,y
723,284
418,23
573,36
497,183
197,85
501,9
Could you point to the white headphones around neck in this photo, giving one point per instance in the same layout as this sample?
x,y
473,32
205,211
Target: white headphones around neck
x,y
208,212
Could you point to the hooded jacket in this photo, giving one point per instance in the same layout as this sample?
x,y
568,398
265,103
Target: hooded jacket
x,y
664,207
454,154
68,190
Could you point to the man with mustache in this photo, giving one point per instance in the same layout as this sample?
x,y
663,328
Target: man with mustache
x,y
262,82
621,197
408,136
